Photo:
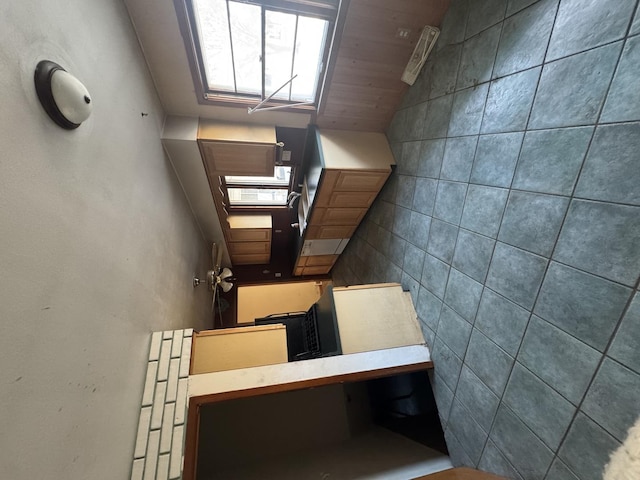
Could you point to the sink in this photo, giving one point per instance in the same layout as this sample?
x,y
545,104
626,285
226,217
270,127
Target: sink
x,y
303,207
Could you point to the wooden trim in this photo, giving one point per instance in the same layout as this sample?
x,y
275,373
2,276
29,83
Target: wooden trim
x,y
311,383
192,433
362,287
460,473
231,331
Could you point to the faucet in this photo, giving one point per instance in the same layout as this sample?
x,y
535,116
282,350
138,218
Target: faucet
x,y
292,198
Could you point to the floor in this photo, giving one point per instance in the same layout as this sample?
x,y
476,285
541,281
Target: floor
x,y
513,217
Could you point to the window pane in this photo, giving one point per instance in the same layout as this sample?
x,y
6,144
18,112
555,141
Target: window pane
x,y
280,29
310,42
257,196
281,177
213,31
246,33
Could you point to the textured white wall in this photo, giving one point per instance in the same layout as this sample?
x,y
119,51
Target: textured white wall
x,y
97,245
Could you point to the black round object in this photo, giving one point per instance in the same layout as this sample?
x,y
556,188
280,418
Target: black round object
x,y
42,77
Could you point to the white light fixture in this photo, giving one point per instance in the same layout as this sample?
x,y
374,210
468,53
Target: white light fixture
x,y
64,98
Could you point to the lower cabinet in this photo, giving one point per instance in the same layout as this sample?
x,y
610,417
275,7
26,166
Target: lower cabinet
x,y
250,239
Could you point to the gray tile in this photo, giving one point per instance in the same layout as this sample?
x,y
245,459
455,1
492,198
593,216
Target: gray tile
x,y
387,213
496,159
409,284
521,447
397,247
559,471
635,26
524,38
463,294
491,364
583,305
478,54
539,406
603,239
408,163
587,448
457,454
414,122
611,171
454,331
390,189
550,160
428,334
473,254
442,240
625,344
559,359
458,158
436,120
584,24
515,6
449,201
516,274
623,101
484,14
494,461
509,102
392,273
483,209
466,112
467,431
406,188
453,24
443,396
446,364
419,231
477,397
572,90
413,260
434,275
428,308
397,127
502,321
445,70
401,221
612,399
424,197
431,158
532,221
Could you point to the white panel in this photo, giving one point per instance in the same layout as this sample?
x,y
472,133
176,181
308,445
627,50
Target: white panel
x,y
177,444
158,405
167,427
154,350
163,467
152,456
150,384
185,357
172,382
167,334
176,346
138,469
163,363
181,401
143,432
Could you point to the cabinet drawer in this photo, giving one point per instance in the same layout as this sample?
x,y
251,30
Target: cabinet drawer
x,y
250,259
250,234
324,232
356,181
318,270
317,260
337,216
244,248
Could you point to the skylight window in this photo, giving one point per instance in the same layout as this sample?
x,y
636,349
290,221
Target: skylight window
x,y
253,49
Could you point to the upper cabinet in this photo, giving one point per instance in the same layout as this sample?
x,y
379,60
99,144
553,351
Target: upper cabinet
x,y
237,149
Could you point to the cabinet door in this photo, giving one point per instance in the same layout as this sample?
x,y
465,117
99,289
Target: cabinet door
x,y
244,248
224,158
337,216
358,181
323,232
318,270
250,234
320,260
352,199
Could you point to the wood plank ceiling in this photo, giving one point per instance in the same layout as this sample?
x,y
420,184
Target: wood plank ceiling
x,y
364,86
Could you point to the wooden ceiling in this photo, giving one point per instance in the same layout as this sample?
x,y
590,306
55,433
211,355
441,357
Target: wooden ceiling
x,y
363,84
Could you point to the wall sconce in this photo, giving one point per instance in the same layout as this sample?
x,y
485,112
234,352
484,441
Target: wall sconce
x,y
62,95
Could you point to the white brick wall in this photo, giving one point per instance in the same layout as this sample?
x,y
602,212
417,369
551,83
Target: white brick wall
x,y
160,441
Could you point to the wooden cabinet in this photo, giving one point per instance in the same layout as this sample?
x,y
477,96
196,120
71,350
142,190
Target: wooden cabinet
x,y
337,216
237,149
325,232
250,239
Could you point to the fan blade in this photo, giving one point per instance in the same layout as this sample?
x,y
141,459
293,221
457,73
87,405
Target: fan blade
x,y
216,257
213,300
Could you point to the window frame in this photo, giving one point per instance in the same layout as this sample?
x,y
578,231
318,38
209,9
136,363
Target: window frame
x,y
224,186
324,9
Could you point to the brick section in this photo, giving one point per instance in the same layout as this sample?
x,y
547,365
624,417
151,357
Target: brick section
x,y
160,440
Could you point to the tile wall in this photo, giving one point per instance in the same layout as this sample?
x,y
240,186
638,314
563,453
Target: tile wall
x,y
513,217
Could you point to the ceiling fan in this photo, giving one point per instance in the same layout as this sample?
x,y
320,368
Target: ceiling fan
x,y
215,278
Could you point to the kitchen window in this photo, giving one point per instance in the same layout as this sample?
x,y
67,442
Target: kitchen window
x,y
243,191
246,51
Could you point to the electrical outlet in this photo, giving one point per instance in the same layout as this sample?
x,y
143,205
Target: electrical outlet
x,y
278,275
403,32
